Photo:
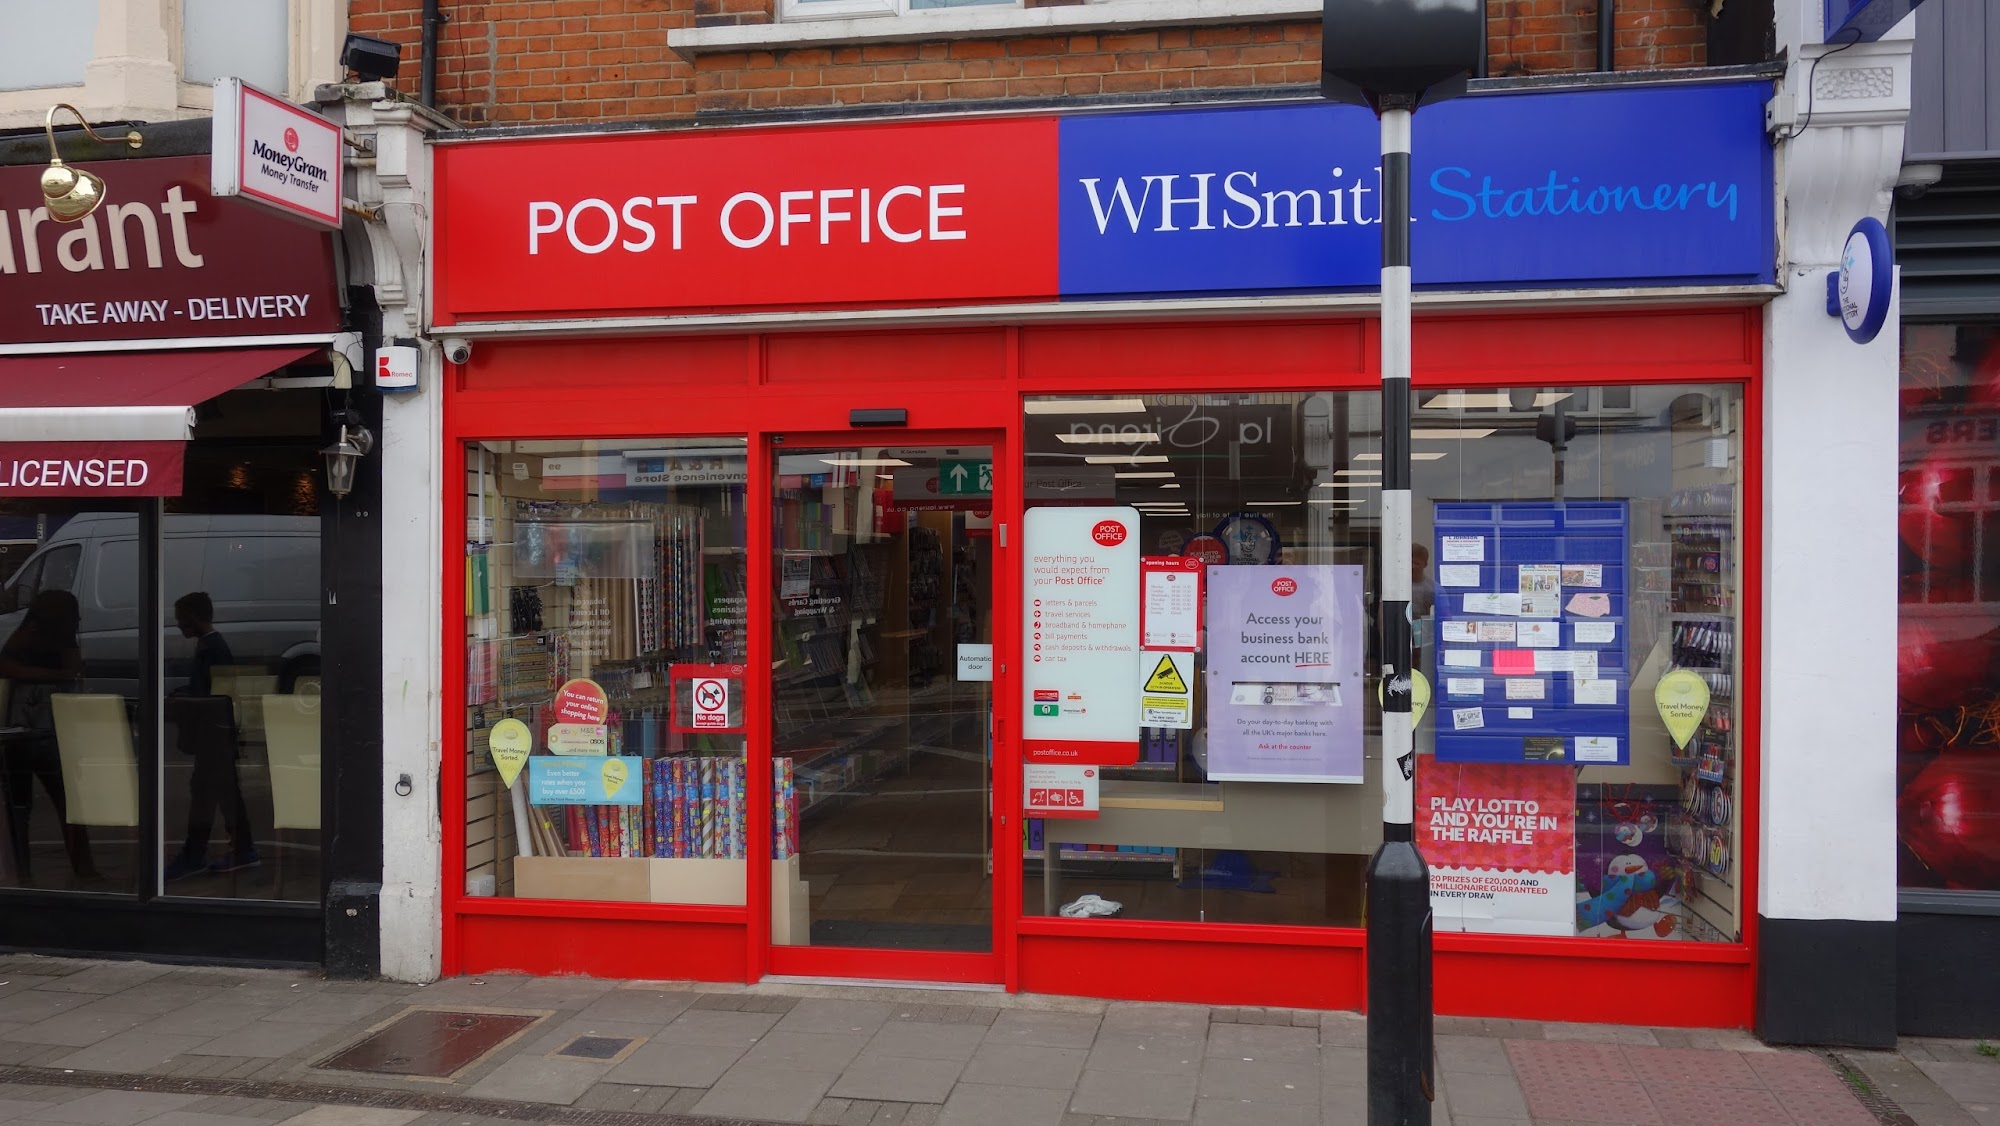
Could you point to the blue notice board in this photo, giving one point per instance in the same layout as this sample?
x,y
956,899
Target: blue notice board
x,y
1531,652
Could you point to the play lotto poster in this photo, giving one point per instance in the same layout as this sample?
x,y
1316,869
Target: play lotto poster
x,y
1500,840
1284,674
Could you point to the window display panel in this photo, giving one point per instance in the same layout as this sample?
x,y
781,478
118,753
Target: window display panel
x,y
1948,747
1576,569
69,693
605,678
240,758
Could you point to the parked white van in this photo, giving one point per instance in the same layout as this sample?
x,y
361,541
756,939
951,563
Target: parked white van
x,y
261,571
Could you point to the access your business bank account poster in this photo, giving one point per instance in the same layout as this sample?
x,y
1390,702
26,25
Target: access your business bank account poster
x,y
1284,674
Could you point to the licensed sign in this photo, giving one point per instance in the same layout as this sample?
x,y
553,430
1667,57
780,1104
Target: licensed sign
x,y
266,150
1080,621
95,469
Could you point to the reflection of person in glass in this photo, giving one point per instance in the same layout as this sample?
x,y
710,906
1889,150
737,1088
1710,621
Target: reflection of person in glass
x,y
41,659
1423,600
207,727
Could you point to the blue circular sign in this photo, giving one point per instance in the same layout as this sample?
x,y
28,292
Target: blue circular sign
x,y
1863,282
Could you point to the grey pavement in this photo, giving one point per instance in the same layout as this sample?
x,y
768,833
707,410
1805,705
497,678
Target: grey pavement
x,y
88,1043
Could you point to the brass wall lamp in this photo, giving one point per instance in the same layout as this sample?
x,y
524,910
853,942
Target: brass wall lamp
x,y
73,193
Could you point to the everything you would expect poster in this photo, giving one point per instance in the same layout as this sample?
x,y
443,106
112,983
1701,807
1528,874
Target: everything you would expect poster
x,y
1284,674
1500,840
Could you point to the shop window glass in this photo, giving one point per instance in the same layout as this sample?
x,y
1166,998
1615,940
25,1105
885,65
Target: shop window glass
x,y
1576,547
241,758
605,596
1948,687
69,676
882,563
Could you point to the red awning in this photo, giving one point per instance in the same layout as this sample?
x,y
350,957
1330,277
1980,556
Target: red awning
x,y
111,423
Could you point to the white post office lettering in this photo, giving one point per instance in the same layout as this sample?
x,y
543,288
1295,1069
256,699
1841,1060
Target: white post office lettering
x,y
905,213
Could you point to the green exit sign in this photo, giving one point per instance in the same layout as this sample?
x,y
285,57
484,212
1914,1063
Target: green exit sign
x,y
965,478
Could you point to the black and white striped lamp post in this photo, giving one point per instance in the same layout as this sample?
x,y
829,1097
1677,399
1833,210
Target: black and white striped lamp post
x,y
1392,56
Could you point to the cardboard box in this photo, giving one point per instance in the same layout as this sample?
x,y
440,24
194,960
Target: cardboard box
x,y
618,879
602,879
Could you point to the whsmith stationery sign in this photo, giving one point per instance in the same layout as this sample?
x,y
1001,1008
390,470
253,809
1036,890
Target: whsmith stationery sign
x,y
1651,186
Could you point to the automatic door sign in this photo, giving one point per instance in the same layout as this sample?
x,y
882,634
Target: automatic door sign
x,y
1166,695
711,704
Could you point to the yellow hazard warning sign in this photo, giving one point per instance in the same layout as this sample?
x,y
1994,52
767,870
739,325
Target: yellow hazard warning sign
x,y
1166,677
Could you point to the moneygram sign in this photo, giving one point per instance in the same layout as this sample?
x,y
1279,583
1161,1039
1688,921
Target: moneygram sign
x,y
274,153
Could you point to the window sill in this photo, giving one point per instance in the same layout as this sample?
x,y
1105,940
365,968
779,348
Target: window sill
x,y
985,23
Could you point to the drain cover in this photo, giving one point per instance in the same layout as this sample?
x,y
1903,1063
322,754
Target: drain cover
x,y
430,1043
595,1047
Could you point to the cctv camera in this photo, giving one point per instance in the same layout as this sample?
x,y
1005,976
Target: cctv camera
x,y
457,349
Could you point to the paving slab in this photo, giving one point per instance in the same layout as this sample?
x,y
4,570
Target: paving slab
x,y
1242,1112
804,1051
1966,1082
79,1027
32,1005
1260,1080
637,1006
709,1026
677,1065
975,1104
1264,1042
268,1039
196,1118
1025,1065
1133,1018
828,1015
108,977
1156,1054
540,1080
129,1052
921,1040
1044,1030
883,1078
115,1108
212,1017
353,1116
1136,1094
776,1094
335,1008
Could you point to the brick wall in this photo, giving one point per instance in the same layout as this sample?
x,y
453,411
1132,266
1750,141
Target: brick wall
x,y
544,61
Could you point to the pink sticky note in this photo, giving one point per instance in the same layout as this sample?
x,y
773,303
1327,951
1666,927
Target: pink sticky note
x,y
1590,605
1513,662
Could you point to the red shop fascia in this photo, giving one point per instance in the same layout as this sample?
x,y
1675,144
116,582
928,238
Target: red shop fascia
x,y
769,281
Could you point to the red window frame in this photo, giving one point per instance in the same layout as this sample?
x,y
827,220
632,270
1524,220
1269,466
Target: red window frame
x,y
806,382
